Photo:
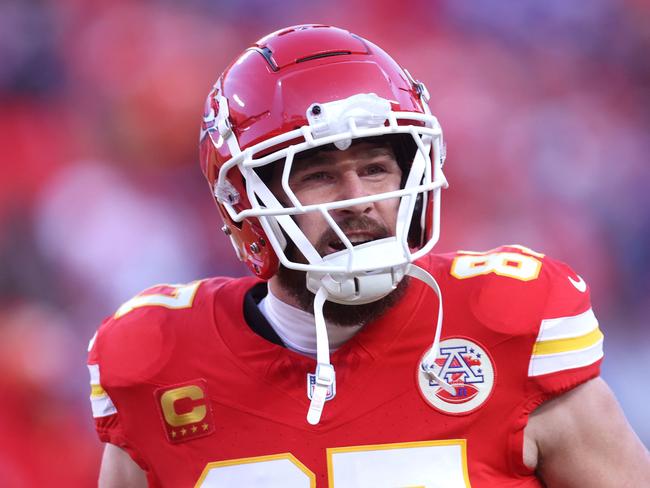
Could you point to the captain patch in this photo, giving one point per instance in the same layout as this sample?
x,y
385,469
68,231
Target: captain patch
x,y
185,410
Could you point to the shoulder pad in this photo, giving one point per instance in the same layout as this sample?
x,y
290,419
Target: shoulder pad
x,y
133,344
512,288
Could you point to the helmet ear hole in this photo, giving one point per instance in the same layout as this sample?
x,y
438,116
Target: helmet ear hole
x,y
251,244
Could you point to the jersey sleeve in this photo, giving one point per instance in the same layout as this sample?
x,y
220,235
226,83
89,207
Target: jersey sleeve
x,y
125,357
103,408
569,345
106,416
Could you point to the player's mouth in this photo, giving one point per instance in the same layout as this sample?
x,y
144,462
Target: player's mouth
x,y
336,245
358,230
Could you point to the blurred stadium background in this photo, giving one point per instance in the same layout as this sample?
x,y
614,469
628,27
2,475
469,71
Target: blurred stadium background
x,y
545,107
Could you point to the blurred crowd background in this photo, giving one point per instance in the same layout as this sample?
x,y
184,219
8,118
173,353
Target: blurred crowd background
x,y
545,107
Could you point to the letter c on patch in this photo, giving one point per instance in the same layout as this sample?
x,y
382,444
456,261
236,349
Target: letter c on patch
x,y
170,397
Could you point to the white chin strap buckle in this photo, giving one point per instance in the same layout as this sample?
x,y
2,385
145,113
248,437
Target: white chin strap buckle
x,y
325,379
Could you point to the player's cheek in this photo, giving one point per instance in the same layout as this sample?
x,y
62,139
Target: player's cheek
x,y
389,209
312,226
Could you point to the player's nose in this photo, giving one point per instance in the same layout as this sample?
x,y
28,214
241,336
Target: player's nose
x,y
352,186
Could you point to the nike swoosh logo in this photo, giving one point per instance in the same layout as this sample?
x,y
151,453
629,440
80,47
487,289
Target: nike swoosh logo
x,y
580,284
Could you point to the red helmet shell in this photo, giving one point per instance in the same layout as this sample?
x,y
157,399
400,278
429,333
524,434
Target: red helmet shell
x,y
268,89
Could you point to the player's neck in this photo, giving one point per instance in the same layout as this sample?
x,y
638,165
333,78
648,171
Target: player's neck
x,y
297,328
282,294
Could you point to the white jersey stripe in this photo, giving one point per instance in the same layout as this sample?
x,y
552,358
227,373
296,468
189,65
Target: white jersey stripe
x,y
91,342
102,406
567,327
93,369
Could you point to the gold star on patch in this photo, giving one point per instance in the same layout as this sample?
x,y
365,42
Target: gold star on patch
x,y
205,426
173,433
183,431
194,428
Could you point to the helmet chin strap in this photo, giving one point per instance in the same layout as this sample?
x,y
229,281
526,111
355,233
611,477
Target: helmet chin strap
x,y
325,374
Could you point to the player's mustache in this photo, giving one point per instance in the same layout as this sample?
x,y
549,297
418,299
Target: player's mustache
x,y
353,224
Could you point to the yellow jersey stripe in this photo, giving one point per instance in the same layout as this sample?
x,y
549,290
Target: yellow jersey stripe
x,y
97,391
553,363
557,346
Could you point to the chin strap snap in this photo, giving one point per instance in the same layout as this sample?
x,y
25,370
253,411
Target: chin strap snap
x,y
325,374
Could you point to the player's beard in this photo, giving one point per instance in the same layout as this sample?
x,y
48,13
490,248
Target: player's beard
x,y
295,281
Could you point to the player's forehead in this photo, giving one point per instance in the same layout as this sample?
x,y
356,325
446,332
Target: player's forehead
x,y
358,151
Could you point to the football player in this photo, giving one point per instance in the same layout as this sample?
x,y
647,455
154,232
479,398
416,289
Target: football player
x,y
333,365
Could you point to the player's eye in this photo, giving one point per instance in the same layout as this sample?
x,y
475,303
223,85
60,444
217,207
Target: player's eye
x,y
316,176
375,169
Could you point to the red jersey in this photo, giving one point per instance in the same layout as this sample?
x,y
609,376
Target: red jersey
x,y
181,382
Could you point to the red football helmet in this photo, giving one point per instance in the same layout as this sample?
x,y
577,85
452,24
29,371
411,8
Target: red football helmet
x,y
300,88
